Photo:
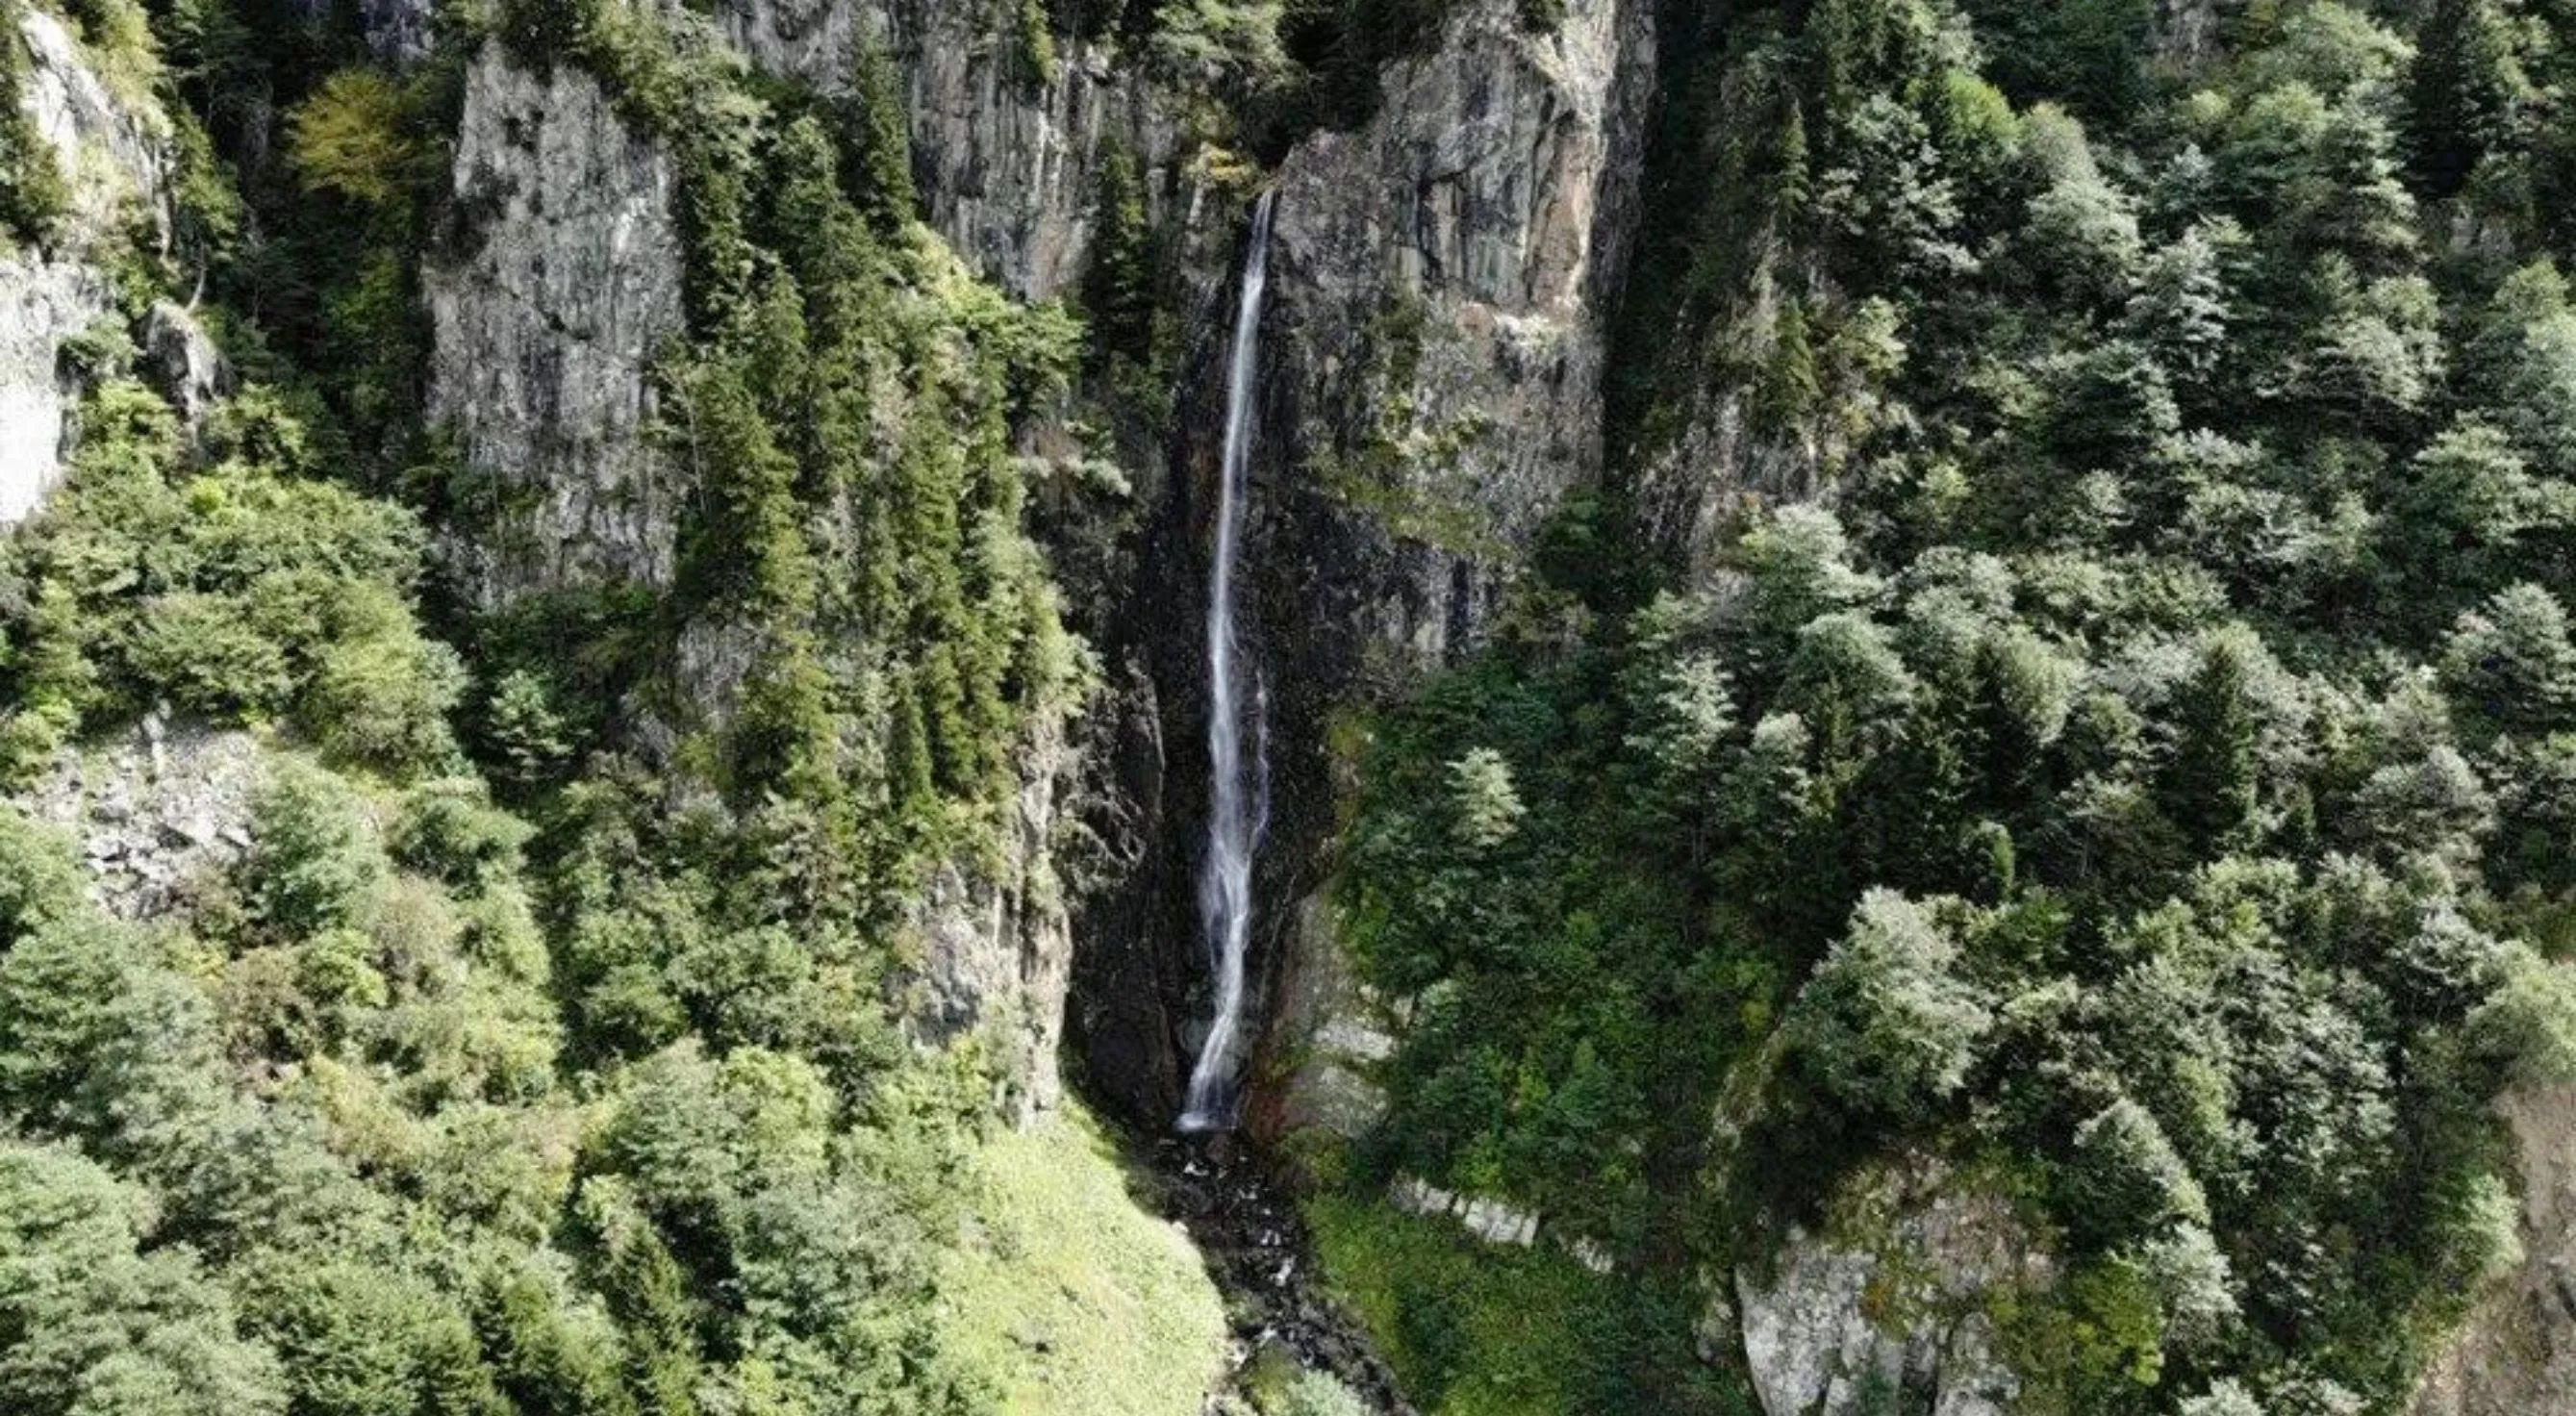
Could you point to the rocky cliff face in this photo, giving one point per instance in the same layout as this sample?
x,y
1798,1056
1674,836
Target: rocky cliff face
x,y
2516,1356
1431,357
1005,147
561,291
997,944
1443,277
155,814
114,155
1893,1302
546,329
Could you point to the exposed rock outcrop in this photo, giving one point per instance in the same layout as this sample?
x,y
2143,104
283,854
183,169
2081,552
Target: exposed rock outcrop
x,y
115,159
545,334
154,812
183,361
997,941
42,303
2186,32
1341,1032
1492,1220
114,151
1005,154
1893,1299
1442,277
399,31
2516,1356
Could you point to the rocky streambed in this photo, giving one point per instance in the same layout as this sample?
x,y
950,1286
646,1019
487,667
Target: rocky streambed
x,y
1258,1250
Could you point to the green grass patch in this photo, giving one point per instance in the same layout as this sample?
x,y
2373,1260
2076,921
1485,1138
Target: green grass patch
x,y
1474,1329
1075,1300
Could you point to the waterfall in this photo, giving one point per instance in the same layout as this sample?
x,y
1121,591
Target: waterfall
x,y
1234,823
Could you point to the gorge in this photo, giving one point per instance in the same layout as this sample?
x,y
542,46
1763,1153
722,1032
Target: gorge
x,y
1852,706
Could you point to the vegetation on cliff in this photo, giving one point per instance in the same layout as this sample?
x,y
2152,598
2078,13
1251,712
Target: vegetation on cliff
x,y
553,1046
2143,769
2121,737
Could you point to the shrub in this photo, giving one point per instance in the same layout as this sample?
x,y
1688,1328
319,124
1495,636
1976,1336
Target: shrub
x,y
449,829
40,879
382,702
313,859
355,137
525,731
1316,1393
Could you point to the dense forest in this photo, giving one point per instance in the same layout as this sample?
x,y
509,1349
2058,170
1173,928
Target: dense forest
x,y
2111,747
2141,775
512,1069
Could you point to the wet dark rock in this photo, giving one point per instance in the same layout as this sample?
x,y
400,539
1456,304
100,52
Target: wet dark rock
x,y
1236,1205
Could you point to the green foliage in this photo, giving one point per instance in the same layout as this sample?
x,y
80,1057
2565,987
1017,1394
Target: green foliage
x,y
314,857
334,1079
383,702
1057,1244
2090,54
96,1324
1495,1331
2469,91
227,582
39,884
449,831
361,1341
2144,777
1885,1022
351,138
877,142
529,736
1118,286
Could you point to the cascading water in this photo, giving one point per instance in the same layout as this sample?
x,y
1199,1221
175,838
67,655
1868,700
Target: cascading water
x,y
1238,797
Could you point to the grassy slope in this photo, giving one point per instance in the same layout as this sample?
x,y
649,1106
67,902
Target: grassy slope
x,y
1061,1258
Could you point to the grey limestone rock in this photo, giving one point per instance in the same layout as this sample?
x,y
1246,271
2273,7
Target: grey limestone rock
x,y
545,335
2516,1354
1896,1299
115,155
154,812
183,360
997,943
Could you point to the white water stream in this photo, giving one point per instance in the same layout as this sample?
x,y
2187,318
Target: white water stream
x,y
1238,793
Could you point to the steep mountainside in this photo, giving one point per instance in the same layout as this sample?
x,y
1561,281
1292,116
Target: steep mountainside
x,y
1913,722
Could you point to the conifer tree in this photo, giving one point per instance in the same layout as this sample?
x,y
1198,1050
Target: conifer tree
x,y
2466,93
2213,786
1118,288
878,140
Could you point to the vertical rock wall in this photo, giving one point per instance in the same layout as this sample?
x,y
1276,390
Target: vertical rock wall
x,y
1443,276
1430,369
1892,1309
115,157
997,945
1006,155
546,330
